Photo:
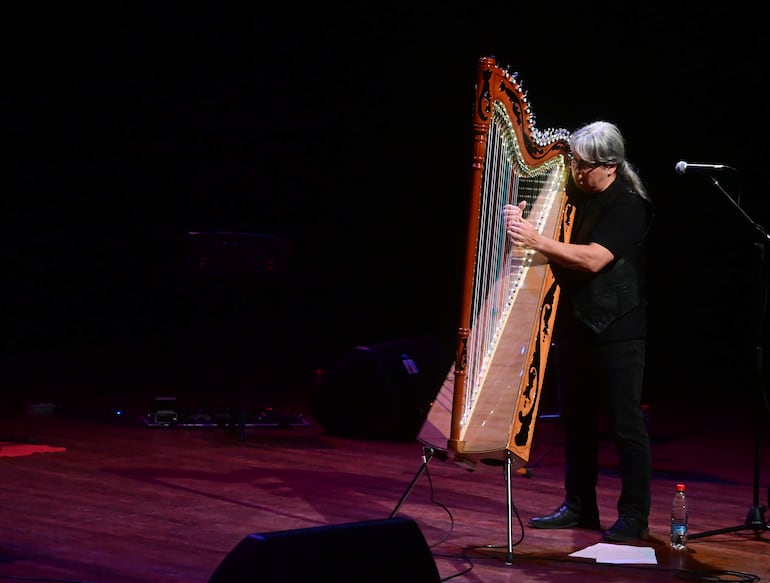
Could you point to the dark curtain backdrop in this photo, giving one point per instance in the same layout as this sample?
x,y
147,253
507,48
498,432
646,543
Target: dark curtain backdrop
x,y
345,131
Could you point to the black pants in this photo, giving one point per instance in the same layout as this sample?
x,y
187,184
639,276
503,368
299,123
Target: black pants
x,y
604,378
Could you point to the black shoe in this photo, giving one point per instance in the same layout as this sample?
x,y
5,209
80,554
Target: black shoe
x,y
627,528
564,517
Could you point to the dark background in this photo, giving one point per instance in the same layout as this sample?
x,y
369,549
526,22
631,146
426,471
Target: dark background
x,y
346,132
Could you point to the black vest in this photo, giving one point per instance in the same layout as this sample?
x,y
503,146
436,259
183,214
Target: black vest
x,y
597,300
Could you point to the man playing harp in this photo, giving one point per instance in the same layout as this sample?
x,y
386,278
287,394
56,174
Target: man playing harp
x,y
600,330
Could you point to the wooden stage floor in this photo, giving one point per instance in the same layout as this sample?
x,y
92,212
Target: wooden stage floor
x,y
116,501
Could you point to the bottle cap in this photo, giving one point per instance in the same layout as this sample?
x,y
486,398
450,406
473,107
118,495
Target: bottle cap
x,y
680,488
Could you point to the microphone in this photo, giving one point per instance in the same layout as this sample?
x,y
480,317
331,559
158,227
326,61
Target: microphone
x,y
684,167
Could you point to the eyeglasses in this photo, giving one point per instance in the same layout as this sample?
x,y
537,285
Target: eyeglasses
x,y
582,165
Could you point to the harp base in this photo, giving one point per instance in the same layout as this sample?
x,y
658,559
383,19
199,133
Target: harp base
x,y
428,453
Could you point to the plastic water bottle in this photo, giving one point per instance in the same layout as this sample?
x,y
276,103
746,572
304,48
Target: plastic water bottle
x,y
679,518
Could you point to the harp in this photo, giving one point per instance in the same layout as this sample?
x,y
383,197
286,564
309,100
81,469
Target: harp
x,y
487,406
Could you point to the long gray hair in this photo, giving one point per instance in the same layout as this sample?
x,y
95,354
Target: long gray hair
x,y
602,142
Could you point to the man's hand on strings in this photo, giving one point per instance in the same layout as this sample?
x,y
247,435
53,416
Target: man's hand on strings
x,y
521,232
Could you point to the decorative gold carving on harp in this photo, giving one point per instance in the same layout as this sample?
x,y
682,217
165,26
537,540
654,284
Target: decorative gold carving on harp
x,y
488,403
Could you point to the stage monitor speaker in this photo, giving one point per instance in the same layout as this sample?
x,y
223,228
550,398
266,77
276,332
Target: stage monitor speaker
x,y
383,391
387,551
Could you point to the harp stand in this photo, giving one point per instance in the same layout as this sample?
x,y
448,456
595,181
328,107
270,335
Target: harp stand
x,y
755,519
428,453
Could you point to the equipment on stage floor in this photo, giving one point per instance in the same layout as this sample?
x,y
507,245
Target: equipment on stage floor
x,y
385,550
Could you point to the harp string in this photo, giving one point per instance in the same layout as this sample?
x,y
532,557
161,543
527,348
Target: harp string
x,y
500,267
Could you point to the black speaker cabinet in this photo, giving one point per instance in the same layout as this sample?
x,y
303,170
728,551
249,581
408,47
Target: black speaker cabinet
x,y
383,391
387,551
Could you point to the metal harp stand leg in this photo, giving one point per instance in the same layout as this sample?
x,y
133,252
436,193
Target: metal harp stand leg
x,y
509,506
428,453
755,519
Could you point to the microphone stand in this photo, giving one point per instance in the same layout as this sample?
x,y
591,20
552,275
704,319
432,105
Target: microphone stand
x,y
755,519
